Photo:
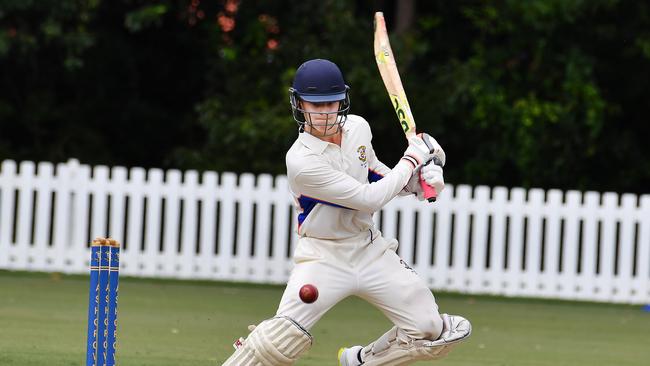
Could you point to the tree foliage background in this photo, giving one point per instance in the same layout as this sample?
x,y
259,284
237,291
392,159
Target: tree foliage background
x,y
541,93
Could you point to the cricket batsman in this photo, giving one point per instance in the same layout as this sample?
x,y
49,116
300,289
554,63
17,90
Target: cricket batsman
x,y
337,183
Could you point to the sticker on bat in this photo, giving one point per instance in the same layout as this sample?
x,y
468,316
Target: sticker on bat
x,y
401,114
382,56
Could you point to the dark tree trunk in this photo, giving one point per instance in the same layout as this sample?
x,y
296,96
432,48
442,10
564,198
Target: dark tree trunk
x,y
404,15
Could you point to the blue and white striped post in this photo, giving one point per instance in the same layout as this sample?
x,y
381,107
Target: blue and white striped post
x,y
93,305
113,281
104,295
102,303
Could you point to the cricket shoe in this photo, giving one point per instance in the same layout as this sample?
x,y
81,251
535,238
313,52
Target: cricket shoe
x,y
350,356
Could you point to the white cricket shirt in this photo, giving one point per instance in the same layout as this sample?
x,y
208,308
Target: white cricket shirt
x,y
337,189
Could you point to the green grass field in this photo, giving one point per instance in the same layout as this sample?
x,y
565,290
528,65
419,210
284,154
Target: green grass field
x,y
43,322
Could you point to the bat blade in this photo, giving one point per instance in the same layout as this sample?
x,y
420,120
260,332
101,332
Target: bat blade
x,y
390,75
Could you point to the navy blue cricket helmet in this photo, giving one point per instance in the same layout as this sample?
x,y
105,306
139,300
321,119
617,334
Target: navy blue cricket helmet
x,y
319,81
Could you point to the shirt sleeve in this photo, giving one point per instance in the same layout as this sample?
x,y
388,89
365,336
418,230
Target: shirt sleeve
x,y
377,170
324,183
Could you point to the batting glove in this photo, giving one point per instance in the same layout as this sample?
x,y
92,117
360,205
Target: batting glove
x,y
435,179
413,187
431,173
423,148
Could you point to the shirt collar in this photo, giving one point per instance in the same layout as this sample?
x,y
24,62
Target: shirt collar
x,y
312,142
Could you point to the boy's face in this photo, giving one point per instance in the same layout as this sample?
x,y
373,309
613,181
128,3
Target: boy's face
x,y
321,117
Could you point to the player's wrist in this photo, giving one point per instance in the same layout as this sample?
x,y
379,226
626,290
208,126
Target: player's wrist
x,y
412,161
405,169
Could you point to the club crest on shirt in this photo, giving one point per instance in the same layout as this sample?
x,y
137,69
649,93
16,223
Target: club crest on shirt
x,y
362,154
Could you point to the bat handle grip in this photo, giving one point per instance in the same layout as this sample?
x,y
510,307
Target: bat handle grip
x,y
429,192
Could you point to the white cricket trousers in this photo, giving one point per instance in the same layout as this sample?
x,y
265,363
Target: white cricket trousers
x,y
368,267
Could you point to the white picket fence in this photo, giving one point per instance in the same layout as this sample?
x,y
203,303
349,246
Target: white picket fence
x,y
533,243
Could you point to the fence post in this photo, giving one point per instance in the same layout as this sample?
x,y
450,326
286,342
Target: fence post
x,y
168,255
261,260
624,279
225,264
442,277
281,231
244,221
62,211
150,264
642,278
496,276
80,185
459,250
209,195
570,241
551,273
7,186
131,258
117,188
480,213
586,261
514,278
604,280
45,185
187,258
23,217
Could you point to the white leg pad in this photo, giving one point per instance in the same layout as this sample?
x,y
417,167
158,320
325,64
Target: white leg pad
x,y
277,341
389,350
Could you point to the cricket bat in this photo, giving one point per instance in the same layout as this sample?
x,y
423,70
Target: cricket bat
x,y
390,76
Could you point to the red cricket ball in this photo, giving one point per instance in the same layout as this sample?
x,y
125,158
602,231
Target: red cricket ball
x,y
308,293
